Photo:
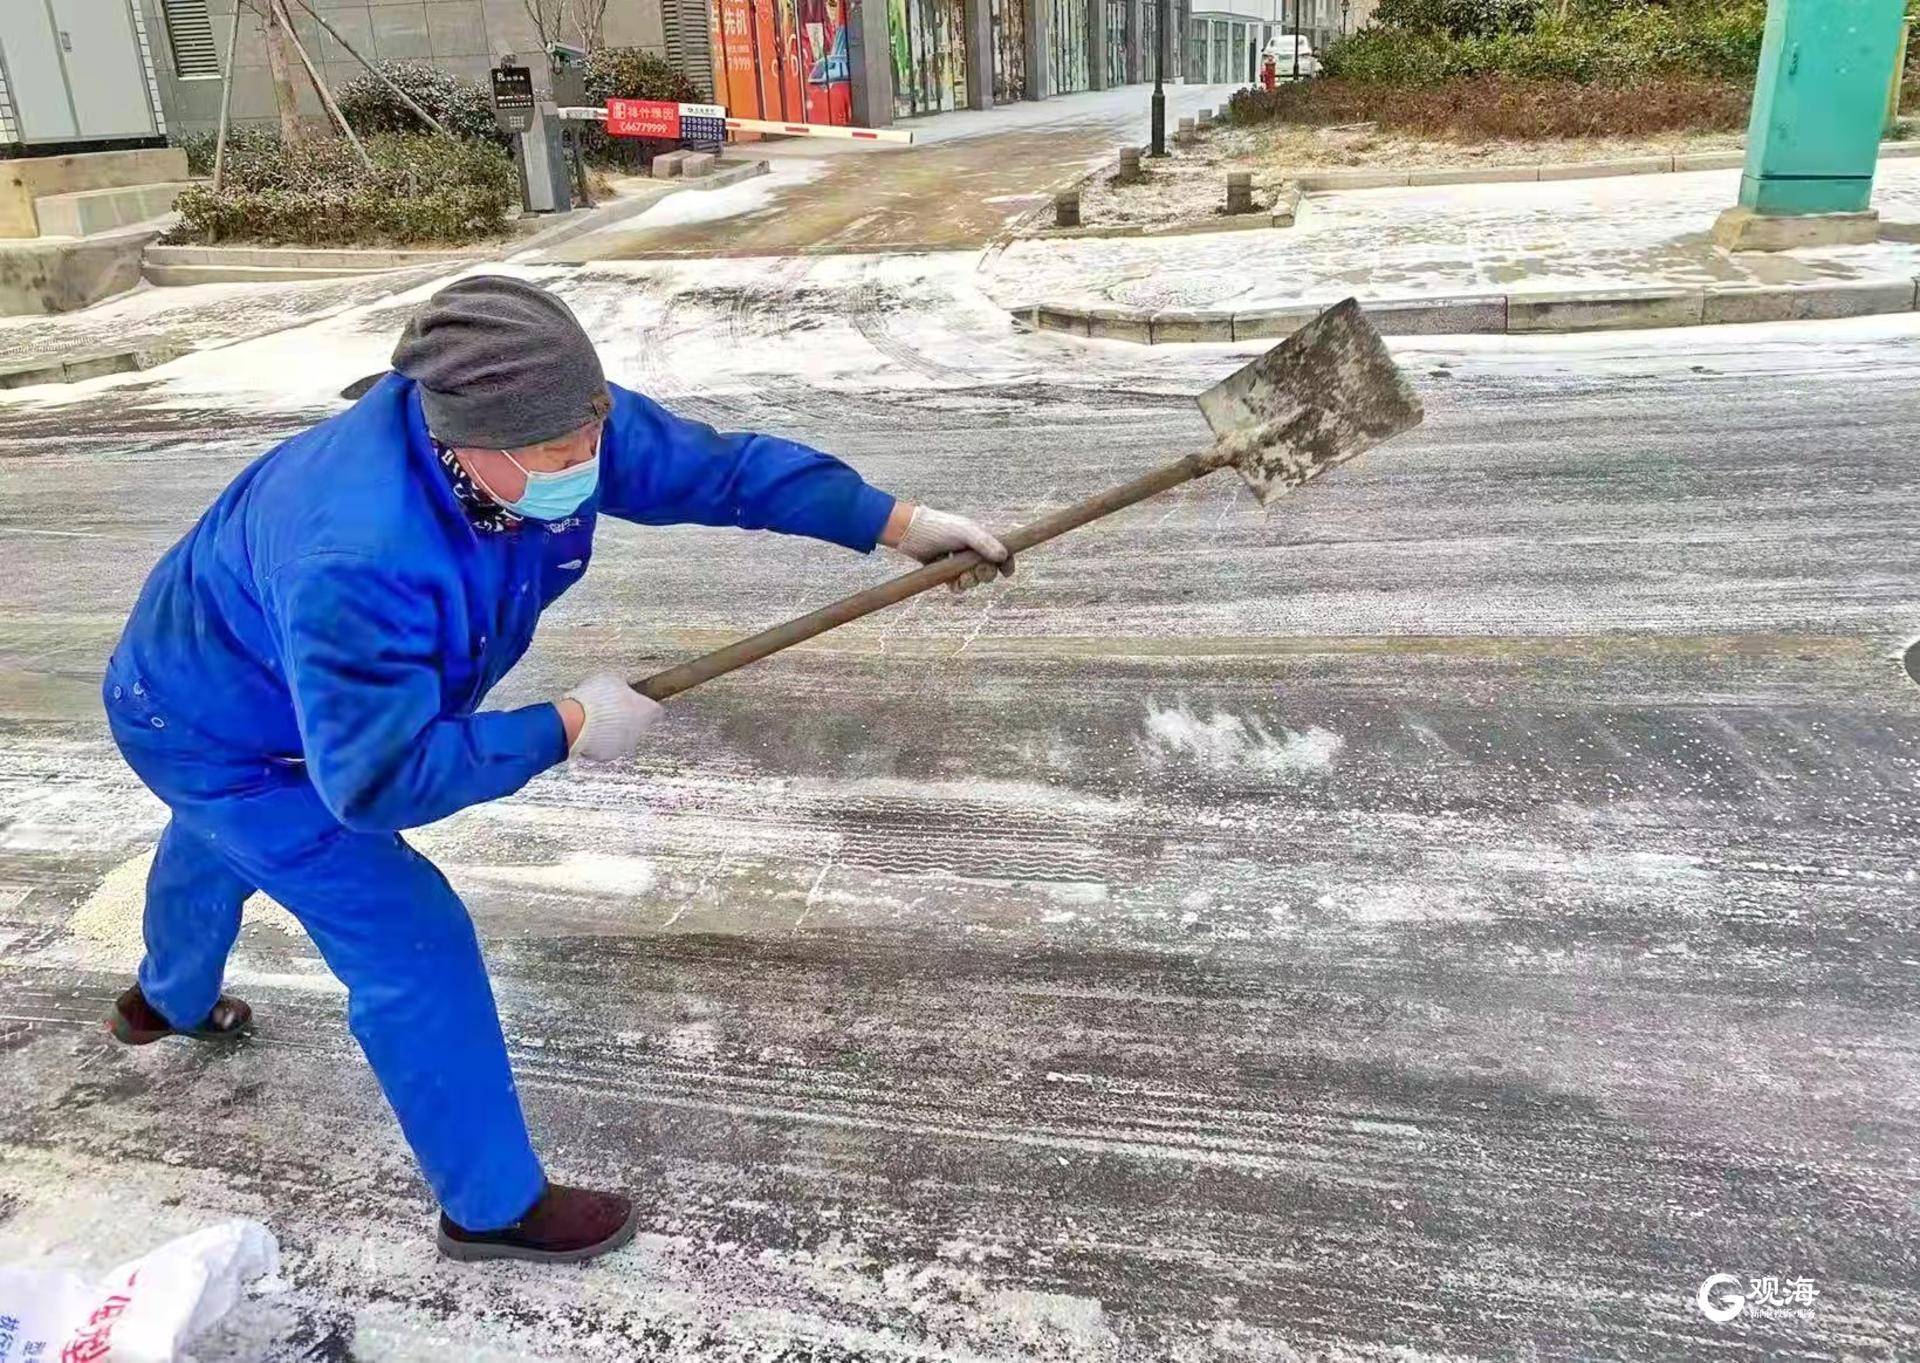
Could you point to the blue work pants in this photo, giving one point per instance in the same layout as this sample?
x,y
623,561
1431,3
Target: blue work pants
x,y
384,919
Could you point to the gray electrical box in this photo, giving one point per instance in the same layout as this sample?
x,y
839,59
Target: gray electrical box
x,y
569,75
76,71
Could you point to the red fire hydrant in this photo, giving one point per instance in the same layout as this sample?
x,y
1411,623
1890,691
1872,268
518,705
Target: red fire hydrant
x,y
1267,73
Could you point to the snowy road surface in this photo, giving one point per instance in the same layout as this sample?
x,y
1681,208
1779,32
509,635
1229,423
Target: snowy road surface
x,y
1448,917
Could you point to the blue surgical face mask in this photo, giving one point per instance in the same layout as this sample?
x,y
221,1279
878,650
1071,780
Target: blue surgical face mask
x,y
555,496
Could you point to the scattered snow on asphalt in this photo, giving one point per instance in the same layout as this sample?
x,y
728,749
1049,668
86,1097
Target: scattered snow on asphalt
x,y
709,205
1232,743
1613,791
109,918
582,872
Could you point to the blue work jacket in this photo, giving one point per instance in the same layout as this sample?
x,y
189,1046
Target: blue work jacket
x,y
337,607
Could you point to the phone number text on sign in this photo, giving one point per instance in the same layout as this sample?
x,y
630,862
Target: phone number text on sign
x,y
643,118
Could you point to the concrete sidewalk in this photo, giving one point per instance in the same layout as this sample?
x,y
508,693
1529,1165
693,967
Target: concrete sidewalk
x,y
1451,242
967,179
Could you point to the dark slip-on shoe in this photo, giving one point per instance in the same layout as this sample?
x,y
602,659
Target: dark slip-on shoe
x,y
137,1022
566,1226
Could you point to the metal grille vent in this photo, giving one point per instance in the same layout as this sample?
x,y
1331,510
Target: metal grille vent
x,y
190,32
689,41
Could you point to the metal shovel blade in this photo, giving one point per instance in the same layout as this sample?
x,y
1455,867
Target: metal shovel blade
x,y
1323,395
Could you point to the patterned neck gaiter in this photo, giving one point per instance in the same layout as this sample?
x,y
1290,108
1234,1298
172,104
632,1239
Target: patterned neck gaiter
x,y
487,515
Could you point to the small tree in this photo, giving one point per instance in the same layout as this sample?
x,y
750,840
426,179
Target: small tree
x,y
280,67
590,19
548,16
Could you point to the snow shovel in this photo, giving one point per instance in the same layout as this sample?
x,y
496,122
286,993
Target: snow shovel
x,y
1323,395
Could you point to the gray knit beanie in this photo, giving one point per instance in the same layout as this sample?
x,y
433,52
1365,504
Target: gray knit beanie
x,y
501,363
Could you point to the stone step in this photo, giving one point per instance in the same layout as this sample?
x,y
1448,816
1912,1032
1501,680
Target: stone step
x,y
301,257
87,212
167,276
27,178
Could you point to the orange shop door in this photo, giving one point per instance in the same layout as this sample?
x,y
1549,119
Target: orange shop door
x,y
782,59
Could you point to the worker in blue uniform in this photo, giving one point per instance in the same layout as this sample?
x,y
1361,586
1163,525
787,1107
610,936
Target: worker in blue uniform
x,y
299,681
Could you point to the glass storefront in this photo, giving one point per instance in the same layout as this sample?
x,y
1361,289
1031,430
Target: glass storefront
x,y
929,56
1067,47
1009,51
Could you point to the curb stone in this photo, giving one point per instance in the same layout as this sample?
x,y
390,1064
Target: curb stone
x,y
1119,324
1605,309
88,366
1781,303
1678,162
1543,312
165,351
1464,315
1272,323
40,276
1175,325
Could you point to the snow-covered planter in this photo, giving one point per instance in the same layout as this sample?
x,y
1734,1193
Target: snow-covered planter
x,y
421,190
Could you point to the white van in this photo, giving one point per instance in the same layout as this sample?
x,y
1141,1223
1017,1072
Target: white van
x,y
1280,49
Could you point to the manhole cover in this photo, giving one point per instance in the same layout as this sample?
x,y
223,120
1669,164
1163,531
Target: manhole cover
x,y
1911,658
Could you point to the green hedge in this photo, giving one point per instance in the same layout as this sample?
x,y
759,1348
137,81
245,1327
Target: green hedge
x,y
422,189
1616,45
1503,107
634,73
200,147
1457,18
462,107
631,73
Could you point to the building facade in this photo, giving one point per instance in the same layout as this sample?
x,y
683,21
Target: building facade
x,y
1226,37
122,72
462,36
871,62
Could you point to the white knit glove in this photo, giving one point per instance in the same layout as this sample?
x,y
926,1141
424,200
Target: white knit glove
x,y
617,716
934,534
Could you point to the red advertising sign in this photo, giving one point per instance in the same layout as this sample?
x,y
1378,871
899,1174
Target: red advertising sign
x,y
643,118
742,92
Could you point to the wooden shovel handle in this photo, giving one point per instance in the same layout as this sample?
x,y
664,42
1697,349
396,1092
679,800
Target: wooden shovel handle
x,y
736,655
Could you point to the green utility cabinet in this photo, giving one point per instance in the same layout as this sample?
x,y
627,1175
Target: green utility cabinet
x,y
1819,105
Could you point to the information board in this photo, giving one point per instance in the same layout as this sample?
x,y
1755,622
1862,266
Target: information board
x,y
667,121
513,98
703,123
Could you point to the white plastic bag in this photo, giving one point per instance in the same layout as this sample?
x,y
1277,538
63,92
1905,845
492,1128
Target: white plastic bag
x,y
141,1312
